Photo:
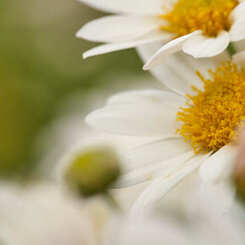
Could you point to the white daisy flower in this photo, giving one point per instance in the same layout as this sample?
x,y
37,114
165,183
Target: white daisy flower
x,y
200,28
189,132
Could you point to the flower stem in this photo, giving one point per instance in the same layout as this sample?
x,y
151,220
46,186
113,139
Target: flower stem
x,y
111,201
231,49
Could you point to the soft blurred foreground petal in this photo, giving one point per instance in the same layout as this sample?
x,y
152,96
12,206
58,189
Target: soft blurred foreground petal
x,y
239,58
220,197
128,231
41,215
219,166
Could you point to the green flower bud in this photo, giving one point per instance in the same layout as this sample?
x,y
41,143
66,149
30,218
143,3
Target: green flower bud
x,y
93,170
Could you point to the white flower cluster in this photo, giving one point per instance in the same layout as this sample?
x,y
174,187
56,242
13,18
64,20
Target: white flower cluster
x,y
174,153
190,127
206,128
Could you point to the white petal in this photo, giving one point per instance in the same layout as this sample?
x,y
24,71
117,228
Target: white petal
x,y
150,172
219,165
239,58
111,47
219,196
200,46
169,48
118,28
136,96
162,185
178,71
237,31
149,118
238,12
157,151
150,230
128,6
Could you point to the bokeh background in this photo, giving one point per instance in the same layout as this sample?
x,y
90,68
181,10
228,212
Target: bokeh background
x,y
41,66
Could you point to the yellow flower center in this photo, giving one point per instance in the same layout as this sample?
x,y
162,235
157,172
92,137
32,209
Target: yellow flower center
x,y
211,117
210,16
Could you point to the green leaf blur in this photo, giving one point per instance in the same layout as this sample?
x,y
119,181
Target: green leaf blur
x,y
40,65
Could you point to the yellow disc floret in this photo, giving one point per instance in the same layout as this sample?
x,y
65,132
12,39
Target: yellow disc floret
x,y
212,116
209,16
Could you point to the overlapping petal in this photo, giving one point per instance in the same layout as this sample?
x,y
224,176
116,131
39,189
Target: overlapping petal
x,y
159,150
151,172
169,48
163,184
178,71
149,118
200,47
118,28
237,32
111,47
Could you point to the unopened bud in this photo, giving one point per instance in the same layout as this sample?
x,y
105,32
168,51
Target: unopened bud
x,y
93,170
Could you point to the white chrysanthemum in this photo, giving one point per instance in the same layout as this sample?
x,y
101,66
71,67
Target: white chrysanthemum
x,y
188,132
200,28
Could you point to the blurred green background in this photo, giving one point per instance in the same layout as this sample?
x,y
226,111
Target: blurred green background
x,y
40,65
